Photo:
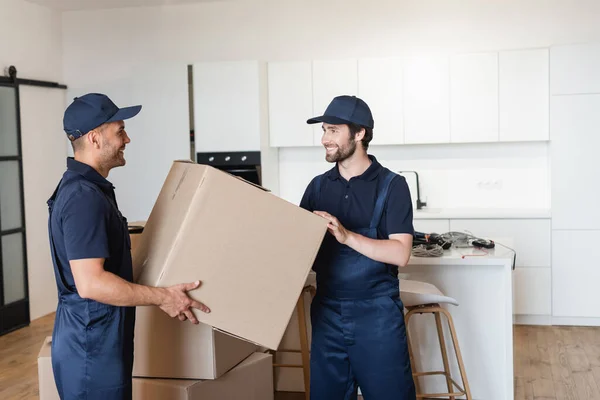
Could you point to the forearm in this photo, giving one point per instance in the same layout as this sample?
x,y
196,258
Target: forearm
x,y
108,288
389,251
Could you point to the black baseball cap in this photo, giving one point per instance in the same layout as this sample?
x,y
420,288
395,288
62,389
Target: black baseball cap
x,y
346,109
92,110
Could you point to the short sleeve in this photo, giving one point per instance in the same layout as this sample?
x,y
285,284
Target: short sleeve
x,y
85,225
398,217
307,199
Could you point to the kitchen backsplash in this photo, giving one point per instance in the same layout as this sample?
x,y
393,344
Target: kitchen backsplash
x,y
489,175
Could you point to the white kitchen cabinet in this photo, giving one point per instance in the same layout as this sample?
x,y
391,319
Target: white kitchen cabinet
x,y
531,238
431,225
226,106
575,274
331,78
575,124
290,104
575,69
532,291
380,86
426,102
524,95
474,97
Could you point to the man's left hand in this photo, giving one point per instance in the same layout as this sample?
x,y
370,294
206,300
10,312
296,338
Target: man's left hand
x,y
335,227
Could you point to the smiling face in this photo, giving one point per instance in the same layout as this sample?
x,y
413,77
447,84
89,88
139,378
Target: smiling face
x,y
113,139
339,142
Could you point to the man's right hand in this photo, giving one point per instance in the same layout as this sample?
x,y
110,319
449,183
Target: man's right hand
x,y
176,302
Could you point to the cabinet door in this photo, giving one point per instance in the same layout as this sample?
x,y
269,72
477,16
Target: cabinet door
x,y
331,78
524,95
532,291
575,69
380,86
575,274
426,100
290,104
474,97
575,123
226,106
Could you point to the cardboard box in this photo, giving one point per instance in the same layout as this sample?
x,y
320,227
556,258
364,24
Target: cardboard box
x,y
252,379
251,249
168,348
47,387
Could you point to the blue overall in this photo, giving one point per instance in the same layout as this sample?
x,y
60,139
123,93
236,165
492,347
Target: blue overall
x,y
92,342
358,331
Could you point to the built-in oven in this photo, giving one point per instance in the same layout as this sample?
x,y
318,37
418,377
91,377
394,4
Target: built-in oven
x,y
245,164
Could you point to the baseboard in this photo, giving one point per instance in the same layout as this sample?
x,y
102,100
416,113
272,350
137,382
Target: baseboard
x,y
576,321
532,319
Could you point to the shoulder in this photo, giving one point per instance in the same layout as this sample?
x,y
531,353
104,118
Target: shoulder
x,y
82,195
398,189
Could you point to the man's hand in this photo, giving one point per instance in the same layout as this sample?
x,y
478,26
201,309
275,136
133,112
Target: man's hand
x,y
176,302
335,227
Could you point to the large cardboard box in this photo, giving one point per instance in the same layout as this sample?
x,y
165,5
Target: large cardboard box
x,y
251,249
168,348
252,379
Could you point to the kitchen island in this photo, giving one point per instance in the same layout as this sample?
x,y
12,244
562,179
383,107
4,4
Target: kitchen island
x,y
481,282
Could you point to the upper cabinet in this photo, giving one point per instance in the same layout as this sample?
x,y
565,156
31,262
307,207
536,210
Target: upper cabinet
x,y
474,98
227,106
422,99
331,78
426,86
524,95
380,86
290,104
575,69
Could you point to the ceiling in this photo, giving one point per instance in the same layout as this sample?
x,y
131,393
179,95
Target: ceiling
x,y
73,5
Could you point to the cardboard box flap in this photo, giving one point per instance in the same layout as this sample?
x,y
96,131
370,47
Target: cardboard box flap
x,y
170,212
46,350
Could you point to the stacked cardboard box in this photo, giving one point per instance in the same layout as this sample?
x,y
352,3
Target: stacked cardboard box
x,y
253,252
252,379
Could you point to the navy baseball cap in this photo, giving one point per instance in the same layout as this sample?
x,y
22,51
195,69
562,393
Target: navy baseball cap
x,y
346,109
92,110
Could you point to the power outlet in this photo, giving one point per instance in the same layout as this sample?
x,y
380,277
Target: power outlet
x,y
490,184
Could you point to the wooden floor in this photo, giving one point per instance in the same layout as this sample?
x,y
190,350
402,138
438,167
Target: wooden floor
x,y
550,362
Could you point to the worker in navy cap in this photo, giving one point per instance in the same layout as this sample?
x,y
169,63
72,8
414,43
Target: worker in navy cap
x,y
92,342
358,330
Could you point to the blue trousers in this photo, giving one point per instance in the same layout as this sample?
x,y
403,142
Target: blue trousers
x,y
359,343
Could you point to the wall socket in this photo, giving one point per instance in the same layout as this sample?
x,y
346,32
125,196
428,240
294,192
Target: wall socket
x,y
490,184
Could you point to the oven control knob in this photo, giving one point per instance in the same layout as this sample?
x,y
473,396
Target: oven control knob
x,y
227,158
244,158
211,159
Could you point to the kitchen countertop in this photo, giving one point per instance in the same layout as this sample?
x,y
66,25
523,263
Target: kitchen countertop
x,y
482,213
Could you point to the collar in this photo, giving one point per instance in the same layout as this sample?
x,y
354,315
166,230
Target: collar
x,y
88,173
371,173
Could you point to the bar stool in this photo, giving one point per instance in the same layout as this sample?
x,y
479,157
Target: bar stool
x,y
425,298
304,348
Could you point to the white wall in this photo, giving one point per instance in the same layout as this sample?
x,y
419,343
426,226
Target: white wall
x,y
31,41
106,45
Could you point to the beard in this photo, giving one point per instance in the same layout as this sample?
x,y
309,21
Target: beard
x,y
112,156
342,153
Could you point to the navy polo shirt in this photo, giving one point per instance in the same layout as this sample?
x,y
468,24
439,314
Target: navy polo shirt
x,y
352,202
86,223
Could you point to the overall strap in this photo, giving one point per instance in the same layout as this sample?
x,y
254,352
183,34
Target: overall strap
x,y
60,279
317,191
382,195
